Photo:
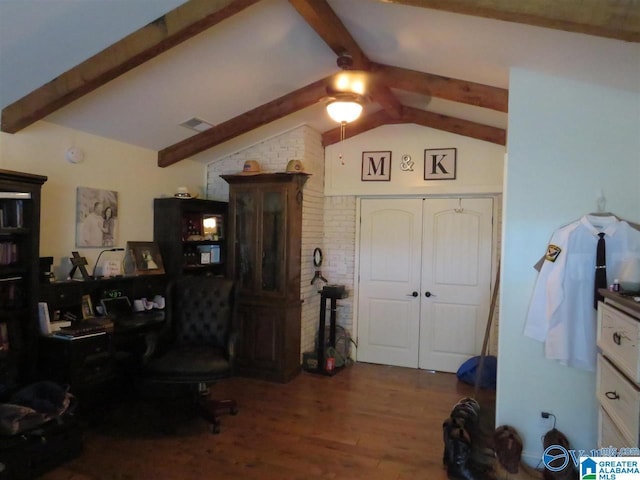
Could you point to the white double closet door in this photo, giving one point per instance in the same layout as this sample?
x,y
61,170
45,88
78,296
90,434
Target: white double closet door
x,y
425,280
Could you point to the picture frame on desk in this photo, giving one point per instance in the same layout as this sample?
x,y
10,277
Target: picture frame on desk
x,y
86,307
146,258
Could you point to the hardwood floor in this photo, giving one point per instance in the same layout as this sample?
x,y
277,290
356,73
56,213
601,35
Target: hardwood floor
x,y
367,422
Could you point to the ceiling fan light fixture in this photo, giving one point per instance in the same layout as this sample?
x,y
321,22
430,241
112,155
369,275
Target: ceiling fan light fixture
x,y
345,109
350,81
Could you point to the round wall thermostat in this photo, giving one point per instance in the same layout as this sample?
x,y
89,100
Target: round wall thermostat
x,y
75,155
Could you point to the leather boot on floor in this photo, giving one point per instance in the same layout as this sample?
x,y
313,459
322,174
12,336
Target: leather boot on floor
x,y
458,452
449,425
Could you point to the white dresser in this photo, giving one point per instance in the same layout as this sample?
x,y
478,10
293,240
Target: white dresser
x,y
618,371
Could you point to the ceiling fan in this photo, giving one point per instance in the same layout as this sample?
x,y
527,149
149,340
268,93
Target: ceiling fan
x,y
347,93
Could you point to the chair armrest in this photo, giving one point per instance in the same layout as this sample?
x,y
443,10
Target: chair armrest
x,y
156,344
151,341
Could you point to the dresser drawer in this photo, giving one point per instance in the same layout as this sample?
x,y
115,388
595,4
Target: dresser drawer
x,y
619,397
618,338
609,435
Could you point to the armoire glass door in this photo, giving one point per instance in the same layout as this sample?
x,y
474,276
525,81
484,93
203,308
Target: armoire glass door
x,y
273,240
245,239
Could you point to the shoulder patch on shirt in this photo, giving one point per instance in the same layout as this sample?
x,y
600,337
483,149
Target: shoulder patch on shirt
x,y
553,252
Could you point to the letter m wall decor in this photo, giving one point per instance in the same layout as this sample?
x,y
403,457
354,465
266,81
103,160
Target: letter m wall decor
x,y
376,167
440,164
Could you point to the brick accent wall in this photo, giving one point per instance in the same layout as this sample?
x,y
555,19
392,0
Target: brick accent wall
x,y
302,143
340,251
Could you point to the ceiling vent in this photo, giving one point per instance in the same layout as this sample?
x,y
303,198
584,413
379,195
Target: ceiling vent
x,y
196,124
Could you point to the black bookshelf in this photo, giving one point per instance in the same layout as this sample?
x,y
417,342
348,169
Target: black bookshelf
x,y
20,196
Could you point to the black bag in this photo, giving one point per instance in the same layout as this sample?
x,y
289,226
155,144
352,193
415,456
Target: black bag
x,y
40,430
29,455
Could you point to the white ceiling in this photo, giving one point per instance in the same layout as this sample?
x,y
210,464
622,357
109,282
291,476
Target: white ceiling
x,y
268,50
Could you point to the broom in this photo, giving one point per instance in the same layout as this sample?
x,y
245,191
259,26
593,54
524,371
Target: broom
x,y
487,331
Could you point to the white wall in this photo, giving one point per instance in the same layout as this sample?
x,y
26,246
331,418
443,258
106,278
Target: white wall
x,y
479,172
109,165
568,141
479,164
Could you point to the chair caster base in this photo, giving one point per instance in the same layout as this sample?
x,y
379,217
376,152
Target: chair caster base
x,y
215,428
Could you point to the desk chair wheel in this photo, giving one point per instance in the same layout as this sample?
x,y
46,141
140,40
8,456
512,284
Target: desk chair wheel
x,y
215,427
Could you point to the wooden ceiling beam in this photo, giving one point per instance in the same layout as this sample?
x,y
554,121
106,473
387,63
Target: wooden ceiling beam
x,y
269,112
461,91
321,17
419,117
455,125
618,19
178,25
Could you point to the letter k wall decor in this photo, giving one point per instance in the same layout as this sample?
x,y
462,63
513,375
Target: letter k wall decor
x,y
376,167
440,164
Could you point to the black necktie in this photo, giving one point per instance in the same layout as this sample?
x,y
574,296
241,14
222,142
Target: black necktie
x,y
601,270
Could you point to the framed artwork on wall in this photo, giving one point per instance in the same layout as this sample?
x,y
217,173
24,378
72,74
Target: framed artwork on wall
x,y
146,258
440,163
96,217
376,166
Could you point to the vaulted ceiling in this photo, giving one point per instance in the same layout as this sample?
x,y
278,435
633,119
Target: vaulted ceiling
x,y
255,67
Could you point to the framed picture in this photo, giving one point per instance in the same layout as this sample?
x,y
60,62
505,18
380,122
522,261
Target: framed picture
x,y
146,258
96,217
376,166
440,164
209,254
87,307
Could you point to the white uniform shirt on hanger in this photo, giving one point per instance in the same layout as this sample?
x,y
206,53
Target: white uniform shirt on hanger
x,y
561,312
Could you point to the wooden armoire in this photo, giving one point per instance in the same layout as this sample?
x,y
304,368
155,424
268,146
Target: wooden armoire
x,y
265,230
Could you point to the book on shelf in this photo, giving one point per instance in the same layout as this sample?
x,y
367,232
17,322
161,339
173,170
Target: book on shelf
x,y
11,213
82,330
67,336
15,195
100,322
57,325
8,253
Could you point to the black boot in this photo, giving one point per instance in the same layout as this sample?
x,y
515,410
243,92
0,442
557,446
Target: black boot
x,y
458,450
449,425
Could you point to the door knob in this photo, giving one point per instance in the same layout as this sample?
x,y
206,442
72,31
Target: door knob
x,y
427,294
412,294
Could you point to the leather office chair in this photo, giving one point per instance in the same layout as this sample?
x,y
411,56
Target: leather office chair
x,y
198,347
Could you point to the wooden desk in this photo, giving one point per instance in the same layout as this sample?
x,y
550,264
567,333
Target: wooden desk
x,y
67,295
91,361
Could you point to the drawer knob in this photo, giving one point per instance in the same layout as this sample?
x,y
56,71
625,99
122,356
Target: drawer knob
x,y
617,339
612,395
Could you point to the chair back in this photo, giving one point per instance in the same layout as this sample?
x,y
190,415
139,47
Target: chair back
x,y
202,310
